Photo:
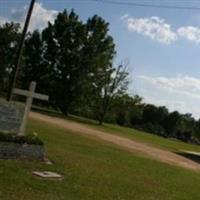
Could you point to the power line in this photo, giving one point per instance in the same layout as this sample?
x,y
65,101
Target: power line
x,y
147,5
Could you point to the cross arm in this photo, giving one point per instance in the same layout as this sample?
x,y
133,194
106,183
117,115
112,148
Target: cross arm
x,y
30,94
41,96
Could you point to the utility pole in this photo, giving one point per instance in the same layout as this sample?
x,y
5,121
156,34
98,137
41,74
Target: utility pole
x,y
20,52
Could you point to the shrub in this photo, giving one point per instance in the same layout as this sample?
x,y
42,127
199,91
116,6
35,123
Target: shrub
x,y
28,139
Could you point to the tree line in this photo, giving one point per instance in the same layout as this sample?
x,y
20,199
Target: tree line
x,y
72,62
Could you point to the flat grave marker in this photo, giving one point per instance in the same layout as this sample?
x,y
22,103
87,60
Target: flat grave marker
x,y
48,175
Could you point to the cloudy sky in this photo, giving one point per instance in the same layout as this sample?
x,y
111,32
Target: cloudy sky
x,y
162,45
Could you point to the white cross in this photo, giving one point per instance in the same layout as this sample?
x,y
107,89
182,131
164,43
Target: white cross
x,y
30,95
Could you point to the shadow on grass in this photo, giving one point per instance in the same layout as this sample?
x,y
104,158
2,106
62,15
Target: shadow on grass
x,y
193,157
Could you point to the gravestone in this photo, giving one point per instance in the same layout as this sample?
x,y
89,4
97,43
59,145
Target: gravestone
x,y
11,116
13,119
29,94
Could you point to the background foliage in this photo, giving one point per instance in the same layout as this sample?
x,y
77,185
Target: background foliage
x,y
72,62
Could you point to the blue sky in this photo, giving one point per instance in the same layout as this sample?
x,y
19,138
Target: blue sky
x,y
162,45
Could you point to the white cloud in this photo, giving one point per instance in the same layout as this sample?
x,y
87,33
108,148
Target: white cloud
x,y
39,19
184,85
3,20
125,16
181,105
153,27
190,32
180,93
157,29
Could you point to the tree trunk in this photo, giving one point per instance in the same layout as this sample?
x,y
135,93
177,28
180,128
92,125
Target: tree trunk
x,y
101,118
100,122
64,110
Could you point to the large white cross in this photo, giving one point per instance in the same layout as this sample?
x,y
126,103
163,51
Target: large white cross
x,y
30,95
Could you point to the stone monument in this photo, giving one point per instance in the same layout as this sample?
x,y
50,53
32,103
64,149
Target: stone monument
x,y
13,119
14,116
11,116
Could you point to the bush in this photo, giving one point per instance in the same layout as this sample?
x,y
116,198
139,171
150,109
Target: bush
x,y
29,139
121,119
153,128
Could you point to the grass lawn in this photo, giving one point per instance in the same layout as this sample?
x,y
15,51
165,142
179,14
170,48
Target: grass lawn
x,y
154,140
157,141
94,170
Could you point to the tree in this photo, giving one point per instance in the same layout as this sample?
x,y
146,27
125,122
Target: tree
x,y
100,51
185,127
171,122
127,109
35,68
197,130
74,52
108,85
136,111
154,114
9,35
154,117
64,55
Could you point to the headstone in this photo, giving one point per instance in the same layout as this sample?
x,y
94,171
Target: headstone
x,y
11,116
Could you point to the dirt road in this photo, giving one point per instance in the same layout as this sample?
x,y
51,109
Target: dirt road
x,y
128,144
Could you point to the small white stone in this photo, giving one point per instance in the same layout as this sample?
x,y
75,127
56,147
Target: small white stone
x,y
47,161
47,174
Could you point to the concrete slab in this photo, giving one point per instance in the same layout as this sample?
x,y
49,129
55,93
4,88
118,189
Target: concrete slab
x,y
48,175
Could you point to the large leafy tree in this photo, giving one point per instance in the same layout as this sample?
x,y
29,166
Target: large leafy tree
x,y
108,85
9,37
65,44
35,68
154,114
171,123
153,118
76,52
127,109
185,127
98,57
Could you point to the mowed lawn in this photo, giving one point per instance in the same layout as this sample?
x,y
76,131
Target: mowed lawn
x,y
170,144
93,170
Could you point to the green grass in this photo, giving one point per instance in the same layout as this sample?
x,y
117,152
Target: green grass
x,y
154,140
171,144
93,170
151,139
